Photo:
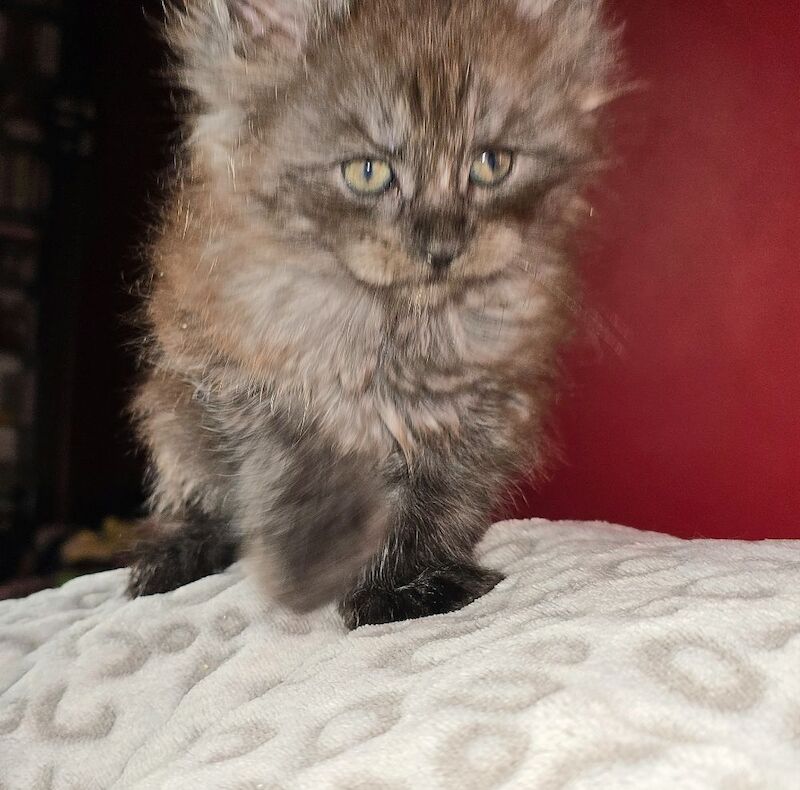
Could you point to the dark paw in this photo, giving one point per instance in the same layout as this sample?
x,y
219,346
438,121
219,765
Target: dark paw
x,y
432,591
155,569
176,558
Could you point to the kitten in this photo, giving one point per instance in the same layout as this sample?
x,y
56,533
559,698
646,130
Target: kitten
x,y
359,288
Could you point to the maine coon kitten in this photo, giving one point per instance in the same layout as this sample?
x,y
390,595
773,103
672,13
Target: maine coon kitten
x,y
359,287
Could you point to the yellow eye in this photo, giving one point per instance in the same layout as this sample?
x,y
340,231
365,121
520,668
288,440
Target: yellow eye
x,y
490,168
367,176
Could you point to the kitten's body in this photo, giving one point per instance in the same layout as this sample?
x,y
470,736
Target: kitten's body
x,y
316,391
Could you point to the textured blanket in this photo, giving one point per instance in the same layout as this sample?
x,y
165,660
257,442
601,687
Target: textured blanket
x,y
608,659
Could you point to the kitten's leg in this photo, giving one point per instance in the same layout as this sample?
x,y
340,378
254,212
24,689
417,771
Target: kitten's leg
x,y
311,518
426,566
189,481
181,552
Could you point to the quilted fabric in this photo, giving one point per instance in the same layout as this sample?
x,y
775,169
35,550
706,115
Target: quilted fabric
x,y
608,659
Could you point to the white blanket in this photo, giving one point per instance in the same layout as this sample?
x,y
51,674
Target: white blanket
x,y
608,659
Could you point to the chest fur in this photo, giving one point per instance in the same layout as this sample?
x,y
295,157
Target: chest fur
x,y
415,379
375,378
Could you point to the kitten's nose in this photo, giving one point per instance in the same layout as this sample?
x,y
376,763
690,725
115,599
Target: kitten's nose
x,y
440,237
440,259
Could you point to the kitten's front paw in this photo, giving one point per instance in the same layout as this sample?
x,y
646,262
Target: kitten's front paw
x,y
171,559
155,569
432,591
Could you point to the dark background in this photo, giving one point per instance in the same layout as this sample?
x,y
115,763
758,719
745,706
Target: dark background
x,y
679,412
105,155
135,123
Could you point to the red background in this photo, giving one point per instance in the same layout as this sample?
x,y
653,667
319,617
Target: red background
x,y
681,407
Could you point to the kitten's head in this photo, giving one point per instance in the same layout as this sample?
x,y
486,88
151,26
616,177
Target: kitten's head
x,y
412,141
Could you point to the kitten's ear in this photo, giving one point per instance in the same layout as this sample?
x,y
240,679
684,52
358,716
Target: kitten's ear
x,y
220,44
280,20
581,44
535,8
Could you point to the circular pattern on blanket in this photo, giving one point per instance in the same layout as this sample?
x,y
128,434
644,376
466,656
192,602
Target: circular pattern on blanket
x,y
124,653
235,741
656,607
91,600
416,651
500,691
10,643
11,716
482,754
175,637
703,672
569,650
230,623
76,721
729,586
355,725
779,636
641,565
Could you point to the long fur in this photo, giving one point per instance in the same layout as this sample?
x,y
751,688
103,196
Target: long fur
x,y
314,389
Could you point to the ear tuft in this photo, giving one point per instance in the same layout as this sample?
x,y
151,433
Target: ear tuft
x,y
533,9
216,41
581,44
260,19
254,21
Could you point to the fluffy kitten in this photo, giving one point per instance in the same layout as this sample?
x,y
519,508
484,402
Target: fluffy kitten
x,y
359,288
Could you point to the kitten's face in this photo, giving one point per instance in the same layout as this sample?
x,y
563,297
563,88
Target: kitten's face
x,y
418,140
